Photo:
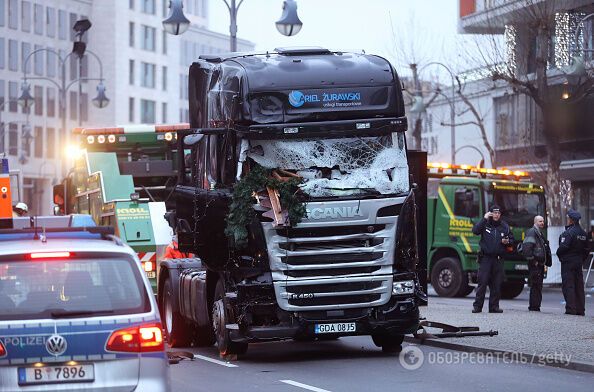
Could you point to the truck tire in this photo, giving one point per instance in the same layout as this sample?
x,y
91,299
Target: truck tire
x,y
511,289
220,318
389,343
203,336
466,291
176,328
447,278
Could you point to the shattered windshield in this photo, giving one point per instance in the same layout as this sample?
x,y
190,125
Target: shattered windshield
x,y
339,167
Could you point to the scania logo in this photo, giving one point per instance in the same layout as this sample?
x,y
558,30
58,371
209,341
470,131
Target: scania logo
x,y
56,345
333,212
296,98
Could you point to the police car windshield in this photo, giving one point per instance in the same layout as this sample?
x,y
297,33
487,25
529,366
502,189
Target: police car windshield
x,y
518,208
70,288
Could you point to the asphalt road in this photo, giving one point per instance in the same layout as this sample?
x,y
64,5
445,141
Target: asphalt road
x,y
355,364
552,300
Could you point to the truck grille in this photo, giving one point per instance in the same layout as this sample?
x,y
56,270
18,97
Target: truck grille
x,y
342,264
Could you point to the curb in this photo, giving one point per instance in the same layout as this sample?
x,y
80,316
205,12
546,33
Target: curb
x,y
518,357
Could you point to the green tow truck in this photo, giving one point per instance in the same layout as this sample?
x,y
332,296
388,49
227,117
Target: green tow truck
x,y
459,196
123,177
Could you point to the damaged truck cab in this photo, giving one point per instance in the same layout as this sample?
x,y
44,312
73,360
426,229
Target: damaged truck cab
x,y
326,243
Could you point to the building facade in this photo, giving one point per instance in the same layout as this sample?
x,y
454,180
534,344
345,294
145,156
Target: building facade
x,y
144,70
512,120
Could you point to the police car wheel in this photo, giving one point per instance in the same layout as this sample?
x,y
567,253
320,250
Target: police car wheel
x,y
447,277
220,318
176,329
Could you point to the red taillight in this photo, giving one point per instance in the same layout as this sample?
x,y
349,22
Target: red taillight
x,y
50,255
144,338
148,266
2,350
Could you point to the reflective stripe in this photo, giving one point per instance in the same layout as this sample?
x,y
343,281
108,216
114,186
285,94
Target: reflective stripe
x,y
147,256
451,214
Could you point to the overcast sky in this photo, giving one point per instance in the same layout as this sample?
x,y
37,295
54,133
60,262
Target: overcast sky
x,y
427,27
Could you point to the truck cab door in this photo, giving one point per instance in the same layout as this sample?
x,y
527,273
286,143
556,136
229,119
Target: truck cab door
x,y
467,211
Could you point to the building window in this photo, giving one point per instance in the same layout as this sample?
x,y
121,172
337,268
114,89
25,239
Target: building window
x,y
38,19
38,99
51,142
38,61
62,25
164,79
131,109
147,111
38,140
84,107
164,35
2,12
148,75
2,52
25,51
131,34
13,93
51,102
50,59
2,95
164,112
148,6
73,67
131,4
13,55
73,104
148,38
131,77
50,22
73,19
13,14
13,139
26,16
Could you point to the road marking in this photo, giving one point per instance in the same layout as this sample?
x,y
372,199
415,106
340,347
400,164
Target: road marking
x,y
208,359
304,386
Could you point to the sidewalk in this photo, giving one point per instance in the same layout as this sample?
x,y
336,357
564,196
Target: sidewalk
x,y
520,331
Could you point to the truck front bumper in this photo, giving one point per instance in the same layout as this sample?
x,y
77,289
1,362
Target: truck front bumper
x,y
399,316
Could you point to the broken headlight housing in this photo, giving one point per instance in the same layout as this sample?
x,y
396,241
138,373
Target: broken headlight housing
x,y
403,287
407,252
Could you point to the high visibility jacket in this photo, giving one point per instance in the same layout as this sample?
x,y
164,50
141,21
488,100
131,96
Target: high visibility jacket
x,y
172,252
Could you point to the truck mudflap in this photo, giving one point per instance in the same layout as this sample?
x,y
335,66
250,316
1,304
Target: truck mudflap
x,y
400,316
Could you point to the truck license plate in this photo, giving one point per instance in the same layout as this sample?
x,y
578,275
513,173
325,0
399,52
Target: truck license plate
x,y
521,267
151,274
335,328
56,374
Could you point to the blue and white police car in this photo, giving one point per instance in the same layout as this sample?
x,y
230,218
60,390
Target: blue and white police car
x,y
76,311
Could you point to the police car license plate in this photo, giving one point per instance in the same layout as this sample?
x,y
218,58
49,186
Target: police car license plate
x,y
335,328
56,374
521,267
151,274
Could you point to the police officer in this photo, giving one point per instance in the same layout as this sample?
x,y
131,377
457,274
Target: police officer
x,y
573,250
495,236
536,250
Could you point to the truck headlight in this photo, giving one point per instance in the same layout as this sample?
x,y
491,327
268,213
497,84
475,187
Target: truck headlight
x,y
403,287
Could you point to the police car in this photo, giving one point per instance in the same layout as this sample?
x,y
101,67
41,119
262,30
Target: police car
x,y
76,311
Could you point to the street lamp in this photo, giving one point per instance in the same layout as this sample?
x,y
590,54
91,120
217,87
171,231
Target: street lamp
x,y
101,99
418,106
176,23
289,24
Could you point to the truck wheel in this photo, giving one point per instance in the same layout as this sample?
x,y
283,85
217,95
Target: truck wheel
x,y
467,290
511,289
447,277
176,328
220,318
388,343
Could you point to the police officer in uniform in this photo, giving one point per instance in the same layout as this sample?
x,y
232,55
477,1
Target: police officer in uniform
x,y
536,250
573,250
495,236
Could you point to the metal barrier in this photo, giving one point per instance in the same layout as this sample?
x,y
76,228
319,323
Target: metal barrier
x,y
589,268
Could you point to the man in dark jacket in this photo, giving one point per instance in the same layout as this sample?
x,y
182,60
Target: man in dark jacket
x,y
573,250
536,250
495,236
